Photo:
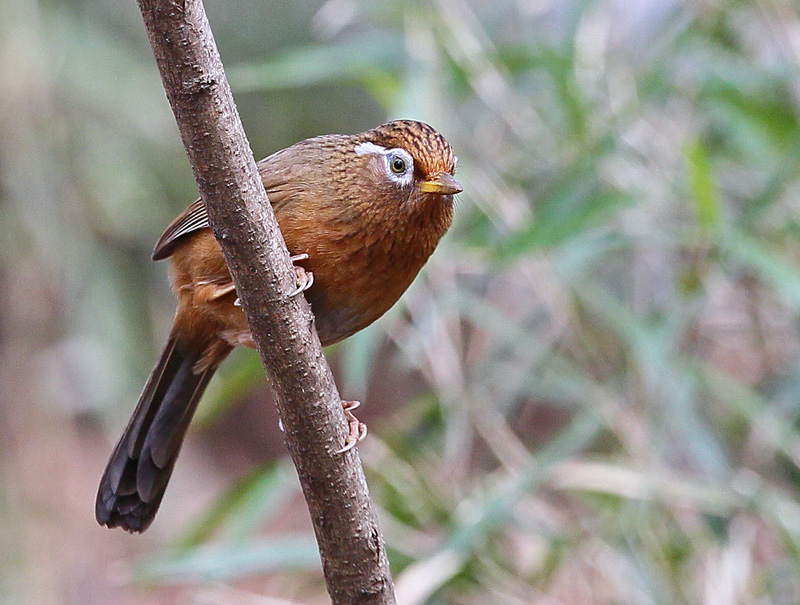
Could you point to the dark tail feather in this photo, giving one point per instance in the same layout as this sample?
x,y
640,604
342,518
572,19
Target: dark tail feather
x,y
139,468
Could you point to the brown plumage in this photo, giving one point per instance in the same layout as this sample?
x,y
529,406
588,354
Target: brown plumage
x,y
367,209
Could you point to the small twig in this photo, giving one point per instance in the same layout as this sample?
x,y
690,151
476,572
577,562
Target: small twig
x,y
350,543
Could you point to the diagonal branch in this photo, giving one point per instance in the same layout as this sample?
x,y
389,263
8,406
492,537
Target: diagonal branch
x,y
350,543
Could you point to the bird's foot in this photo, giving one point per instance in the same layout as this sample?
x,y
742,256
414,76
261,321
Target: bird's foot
x,y
305,279
357,429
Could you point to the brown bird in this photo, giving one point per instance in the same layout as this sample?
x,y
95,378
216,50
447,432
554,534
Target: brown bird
x,y
361,212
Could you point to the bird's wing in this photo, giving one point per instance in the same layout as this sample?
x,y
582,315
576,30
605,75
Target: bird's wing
x,y
276,175
191,219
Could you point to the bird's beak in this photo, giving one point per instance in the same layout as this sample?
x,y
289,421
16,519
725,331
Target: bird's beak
x,y
443,183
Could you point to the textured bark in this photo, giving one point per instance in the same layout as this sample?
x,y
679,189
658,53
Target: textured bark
x,y
350,543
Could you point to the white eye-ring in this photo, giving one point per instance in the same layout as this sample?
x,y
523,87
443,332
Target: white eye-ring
x,y
397,162
399,166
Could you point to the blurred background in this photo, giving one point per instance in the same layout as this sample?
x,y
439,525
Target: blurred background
x,y
591,393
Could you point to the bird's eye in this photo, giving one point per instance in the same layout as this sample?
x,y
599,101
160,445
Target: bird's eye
x,y
398,165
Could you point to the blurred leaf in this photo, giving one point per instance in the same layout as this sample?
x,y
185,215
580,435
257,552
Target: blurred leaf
x,y
244,506
229,562
704,196
491,513
764,123
360,353
496,510
234,381
566,209
366,58
779,433
768,264
653,346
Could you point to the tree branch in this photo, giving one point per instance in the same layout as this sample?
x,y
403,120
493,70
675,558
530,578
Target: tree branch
x,y
350,543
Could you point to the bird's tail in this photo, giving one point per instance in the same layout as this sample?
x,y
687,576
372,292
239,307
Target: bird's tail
x,y
137,473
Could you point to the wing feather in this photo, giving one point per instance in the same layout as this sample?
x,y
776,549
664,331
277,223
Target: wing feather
x,y
191,219
277,172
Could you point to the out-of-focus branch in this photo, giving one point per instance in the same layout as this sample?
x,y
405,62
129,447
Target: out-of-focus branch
x,y
350,542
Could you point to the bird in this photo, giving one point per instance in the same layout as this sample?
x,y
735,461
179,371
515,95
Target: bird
x,y
360,215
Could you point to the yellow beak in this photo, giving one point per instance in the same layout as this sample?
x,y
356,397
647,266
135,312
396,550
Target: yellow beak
x,y
443,183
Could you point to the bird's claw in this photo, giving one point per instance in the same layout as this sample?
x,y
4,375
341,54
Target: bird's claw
x,y
357,429
305,279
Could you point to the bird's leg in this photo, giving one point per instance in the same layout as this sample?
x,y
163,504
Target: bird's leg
x,y
357,429
305,279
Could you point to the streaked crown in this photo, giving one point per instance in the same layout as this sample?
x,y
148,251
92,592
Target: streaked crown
x,y
431,152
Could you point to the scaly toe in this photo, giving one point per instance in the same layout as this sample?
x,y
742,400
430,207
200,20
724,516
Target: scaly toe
x,y
305,279
357,429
